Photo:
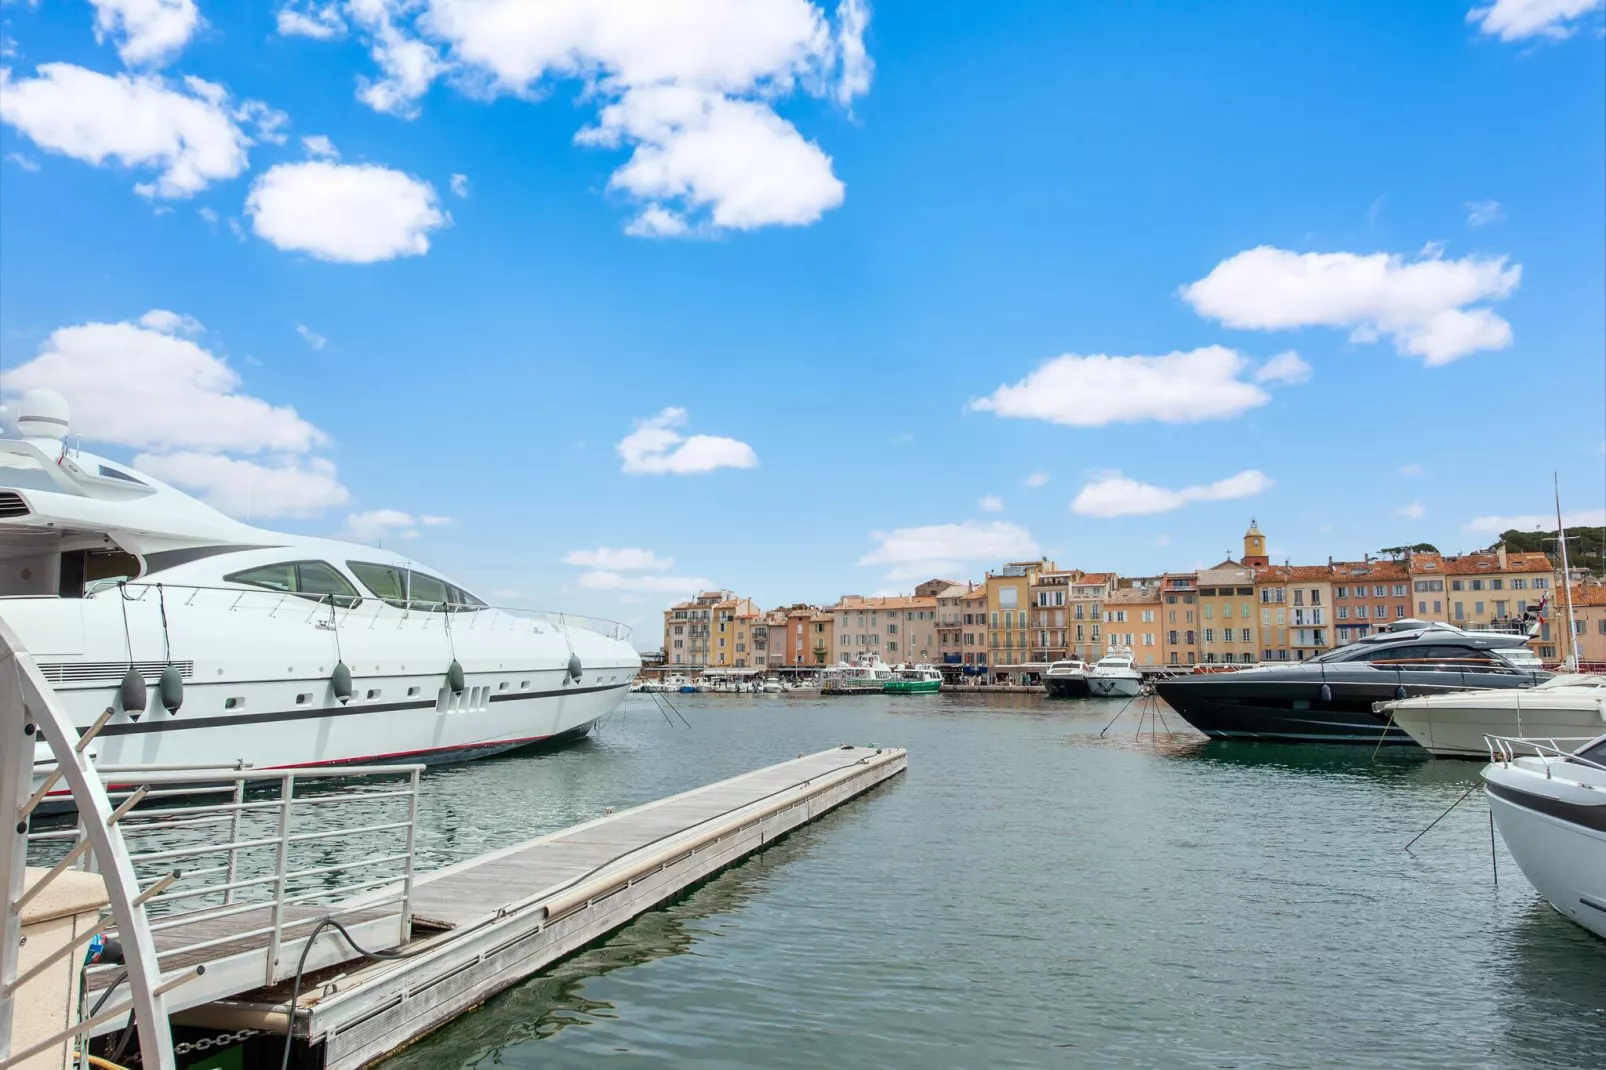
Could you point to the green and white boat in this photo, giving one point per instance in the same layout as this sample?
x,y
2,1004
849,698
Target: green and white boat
x,y
914,680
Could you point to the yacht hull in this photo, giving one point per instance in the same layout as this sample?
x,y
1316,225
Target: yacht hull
x,y
1067,687
1114,686
1560,846
1260,705
1454,727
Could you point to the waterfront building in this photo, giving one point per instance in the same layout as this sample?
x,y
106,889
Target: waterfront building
x,y
732,635
1227,628
1367,595
1133,618
1008,598
1295,605
821,631
973,621
1179,639
898,627
1487,589
1589,625
950,622
1084,624
1050,597
688,629
797,648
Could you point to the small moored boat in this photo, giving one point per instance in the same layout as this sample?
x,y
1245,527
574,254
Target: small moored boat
x,y
914,680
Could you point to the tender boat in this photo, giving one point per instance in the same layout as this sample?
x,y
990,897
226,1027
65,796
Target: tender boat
x,y
1114,676
1067,679
867,671
1550,808
914,680
1568,706
1330,698
212,642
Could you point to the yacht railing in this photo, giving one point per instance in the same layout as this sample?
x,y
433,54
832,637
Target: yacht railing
x,y
1503,750
369,611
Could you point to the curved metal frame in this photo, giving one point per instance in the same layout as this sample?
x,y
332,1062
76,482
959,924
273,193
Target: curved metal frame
x,y
28,711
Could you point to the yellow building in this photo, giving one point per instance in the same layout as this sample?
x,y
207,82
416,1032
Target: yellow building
x,y
1228,632
1133,620
1179,642
1296,611
1008,601
1084,624
704,632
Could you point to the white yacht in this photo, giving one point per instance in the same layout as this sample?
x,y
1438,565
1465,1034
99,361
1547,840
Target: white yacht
x,y
867,670
1114,676
1067,679
209,641
1453,725
1550,808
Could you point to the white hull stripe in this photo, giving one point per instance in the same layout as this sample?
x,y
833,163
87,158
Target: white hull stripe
x,y
154,722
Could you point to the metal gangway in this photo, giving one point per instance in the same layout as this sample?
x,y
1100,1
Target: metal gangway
x,y
216,880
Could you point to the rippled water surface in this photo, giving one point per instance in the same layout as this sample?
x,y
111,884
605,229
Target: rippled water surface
x,y
1029,894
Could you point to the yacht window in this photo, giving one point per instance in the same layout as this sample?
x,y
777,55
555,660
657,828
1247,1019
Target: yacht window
x,y
1595,752
382,581
112,473
427,589
462,601
308,579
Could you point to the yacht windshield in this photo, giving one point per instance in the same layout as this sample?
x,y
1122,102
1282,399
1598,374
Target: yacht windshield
x,y
316,580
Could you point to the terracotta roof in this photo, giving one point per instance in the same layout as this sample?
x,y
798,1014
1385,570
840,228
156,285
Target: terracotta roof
x,y
1293,574
897,601
1095,577
1481,564
1588,594
1370,570
1128,595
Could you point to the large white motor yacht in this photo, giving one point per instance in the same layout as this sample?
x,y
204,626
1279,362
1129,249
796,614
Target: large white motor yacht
x,y
210,641
1453,725
1550,807
1114,676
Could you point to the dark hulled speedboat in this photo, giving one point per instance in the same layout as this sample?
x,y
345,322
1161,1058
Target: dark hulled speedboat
x,y
1328,699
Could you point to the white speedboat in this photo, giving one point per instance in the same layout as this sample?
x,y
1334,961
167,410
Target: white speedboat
x,y
211,642
1067,679
1114,676
1550,808
1453,725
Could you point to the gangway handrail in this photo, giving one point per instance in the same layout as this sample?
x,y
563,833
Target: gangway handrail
x,y
29,710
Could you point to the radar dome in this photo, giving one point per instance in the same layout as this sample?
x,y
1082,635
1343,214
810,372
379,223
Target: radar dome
x,y
42,414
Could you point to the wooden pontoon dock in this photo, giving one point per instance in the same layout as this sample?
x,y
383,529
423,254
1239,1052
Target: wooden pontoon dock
x,y
487,923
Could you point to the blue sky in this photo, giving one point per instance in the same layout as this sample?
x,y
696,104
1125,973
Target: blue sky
x,y
797,298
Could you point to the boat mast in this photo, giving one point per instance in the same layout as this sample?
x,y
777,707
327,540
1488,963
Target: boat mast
x,y
1571,661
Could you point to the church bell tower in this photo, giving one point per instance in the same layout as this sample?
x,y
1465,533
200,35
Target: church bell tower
x,y
1255,547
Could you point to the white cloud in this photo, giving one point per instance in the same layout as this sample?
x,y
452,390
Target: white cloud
x,y
459,185
192,134
319,21
1413,511
991,504
1114,494
376,524
144,386
653,448
350,213
689,87
311,337
603,580
320,147
1092,391
1162,540
1036,479
160,319
1482,213
291,487
1412,471
1420,303
27,163
624,559
1287,368
1495,525
737,159
938,549
208,214
1516,20
656,221
430,521
152,32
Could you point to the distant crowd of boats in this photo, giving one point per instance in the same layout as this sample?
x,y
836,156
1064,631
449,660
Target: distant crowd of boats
x,y
866,675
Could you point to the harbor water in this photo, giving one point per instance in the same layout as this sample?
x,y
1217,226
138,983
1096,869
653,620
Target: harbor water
x,y
1030,894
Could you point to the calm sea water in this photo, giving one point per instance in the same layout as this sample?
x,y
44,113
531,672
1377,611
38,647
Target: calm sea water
x,y
1031,895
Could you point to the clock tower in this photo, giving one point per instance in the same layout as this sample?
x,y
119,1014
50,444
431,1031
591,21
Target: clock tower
x,y
1255,547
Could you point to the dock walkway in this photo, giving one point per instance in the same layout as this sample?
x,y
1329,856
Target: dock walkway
x,y
505,915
